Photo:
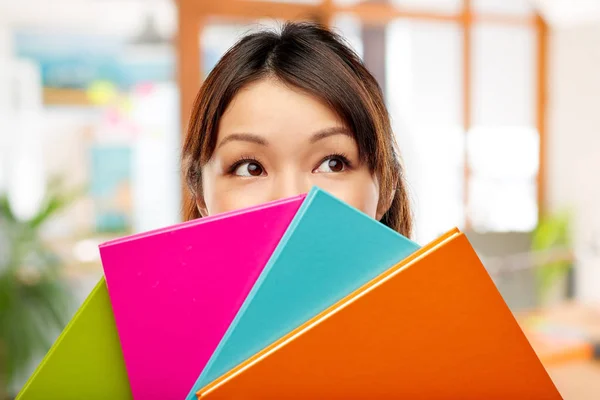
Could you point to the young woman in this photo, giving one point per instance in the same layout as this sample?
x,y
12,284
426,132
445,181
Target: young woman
x,y
281,112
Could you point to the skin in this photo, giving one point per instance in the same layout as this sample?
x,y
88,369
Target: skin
x,y
275,141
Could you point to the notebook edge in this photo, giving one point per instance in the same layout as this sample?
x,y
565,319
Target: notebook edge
x,y
201,221
308,200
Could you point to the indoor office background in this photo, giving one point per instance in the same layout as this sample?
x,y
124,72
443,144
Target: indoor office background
x,y
494,104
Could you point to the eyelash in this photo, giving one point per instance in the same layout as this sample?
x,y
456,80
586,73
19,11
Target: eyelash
x,y
240,161
250,159
343,157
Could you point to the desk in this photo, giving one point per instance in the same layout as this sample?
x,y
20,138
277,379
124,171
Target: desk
x,y
563,337
564,333
577,380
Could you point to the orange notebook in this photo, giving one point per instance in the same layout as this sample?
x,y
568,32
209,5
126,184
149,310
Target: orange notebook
x,y
432,327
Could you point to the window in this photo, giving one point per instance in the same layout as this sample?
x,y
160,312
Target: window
x,y
503,143
462,90
425,103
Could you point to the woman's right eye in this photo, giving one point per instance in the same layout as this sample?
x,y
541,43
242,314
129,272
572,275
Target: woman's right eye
x,y
249,169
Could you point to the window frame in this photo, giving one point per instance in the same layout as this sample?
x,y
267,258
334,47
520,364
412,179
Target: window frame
x,y
193,14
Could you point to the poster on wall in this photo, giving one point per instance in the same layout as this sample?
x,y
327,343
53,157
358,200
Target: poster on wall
x,y
71,63
111,187
126,97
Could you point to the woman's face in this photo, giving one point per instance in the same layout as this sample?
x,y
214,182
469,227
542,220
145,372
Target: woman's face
x,y
275,142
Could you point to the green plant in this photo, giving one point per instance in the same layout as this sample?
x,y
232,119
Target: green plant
x,y
34,301
553,234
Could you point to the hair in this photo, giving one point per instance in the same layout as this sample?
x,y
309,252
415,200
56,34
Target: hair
x,y
317,61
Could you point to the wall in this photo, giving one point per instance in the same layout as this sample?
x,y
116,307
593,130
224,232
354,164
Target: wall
x,y
574,142
90,16
5,99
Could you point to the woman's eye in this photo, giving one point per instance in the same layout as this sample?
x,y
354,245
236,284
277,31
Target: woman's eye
x,y
249,168
332,164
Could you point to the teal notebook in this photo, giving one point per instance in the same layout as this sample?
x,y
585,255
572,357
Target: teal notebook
x,y
329,250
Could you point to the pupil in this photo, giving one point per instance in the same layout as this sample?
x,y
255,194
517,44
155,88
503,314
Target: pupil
x,y
254,169
335,165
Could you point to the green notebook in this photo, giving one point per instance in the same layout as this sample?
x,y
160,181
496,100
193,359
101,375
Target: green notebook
x,y
86,361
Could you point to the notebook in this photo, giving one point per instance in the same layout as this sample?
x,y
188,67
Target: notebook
x,y
174,291
86,361
329,250
432,327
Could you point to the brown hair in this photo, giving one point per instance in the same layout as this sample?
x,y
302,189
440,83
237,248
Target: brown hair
x,y
317,61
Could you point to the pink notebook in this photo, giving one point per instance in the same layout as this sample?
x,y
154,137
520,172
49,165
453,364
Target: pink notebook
x,y
175,291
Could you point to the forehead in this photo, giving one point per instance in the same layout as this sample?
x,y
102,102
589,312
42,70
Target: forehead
x,y
270,107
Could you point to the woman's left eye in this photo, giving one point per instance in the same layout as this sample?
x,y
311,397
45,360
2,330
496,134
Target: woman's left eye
x,y
332,164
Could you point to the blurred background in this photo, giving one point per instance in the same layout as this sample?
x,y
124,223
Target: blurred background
x,y
494,103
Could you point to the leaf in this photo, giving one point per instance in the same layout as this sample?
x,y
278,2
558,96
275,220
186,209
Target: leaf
x,y
58,197
31,313
51,300
53,205
29,318
553,232
5,209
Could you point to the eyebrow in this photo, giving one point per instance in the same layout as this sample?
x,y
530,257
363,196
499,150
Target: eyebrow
x,y
327,132
252,138
244,137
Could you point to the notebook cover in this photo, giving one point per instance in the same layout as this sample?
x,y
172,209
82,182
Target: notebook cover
x,y
174,291
432,327
86,361
329,250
